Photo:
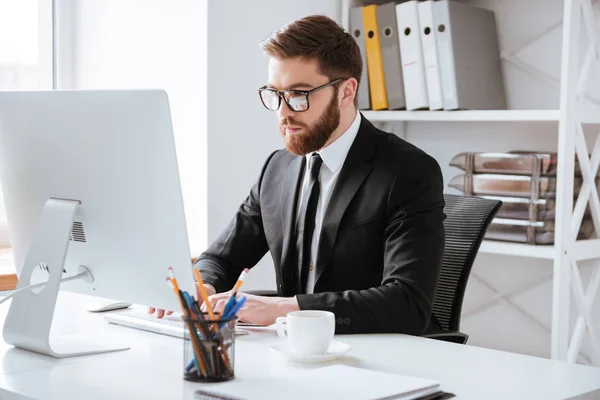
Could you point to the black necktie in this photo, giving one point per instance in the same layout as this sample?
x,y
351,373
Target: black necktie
x,y
307,217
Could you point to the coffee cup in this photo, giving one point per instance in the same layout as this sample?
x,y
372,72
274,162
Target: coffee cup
x,y
309,332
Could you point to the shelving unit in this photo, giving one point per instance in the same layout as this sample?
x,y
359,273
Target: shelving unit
x,y
583,249
589,116
569,118
464,116
517,249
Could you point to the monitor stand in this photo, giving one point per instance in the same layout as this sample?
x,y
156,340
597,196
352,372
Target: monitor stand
x,y
29,318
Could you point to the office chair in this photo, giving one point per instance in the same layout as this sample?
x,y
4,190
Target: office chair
x,y
467,219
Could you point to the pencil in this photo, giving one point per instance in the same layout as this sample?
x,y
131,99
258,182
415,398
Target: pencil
x,y
204,332
173,280
232,300
198,349
239,282
203,293
196,346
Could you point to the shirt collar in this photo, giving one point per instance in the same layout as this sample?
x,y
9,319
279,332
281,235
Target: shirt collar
x,y
335,153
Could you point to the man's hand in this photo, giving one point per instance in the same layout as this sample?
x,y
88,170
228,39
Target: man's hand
x,y
257,309
161,313
210,290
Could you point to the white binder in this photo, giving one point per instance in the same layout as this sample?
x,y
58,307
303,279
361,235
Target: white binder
x,y
430,55
413,71
469,56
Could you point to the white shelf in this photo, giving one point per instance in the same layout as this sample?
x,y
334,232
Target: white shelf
x,y
589,115
583,250
517,249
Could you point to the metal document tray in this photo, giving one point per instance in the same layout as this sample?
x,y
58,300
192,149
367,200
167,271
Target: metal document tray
x,y
509,185
509,163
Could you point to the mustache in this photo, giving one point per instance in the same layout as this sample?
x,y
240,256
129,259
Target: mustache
x,y
290,121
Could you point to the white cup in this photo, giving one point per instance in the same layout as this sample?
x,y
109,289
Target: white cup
x,y
309,332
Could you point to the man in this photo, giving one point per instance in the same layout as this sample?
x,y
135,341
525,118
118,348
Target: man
x,y
352,216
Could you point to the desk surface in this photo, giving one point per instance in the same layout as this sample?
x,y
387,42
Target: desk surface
x,y
152,368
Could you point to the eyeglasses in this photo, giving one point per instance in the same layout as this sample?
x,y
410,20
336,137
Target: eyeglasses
x,y
296,100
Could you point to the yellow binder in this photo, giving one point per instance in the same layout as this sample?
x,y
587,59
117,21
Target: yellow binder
x,y
374,60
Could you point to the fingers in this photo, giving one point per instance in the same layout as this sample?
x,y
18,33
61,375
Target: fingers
x,y
214,299
159,313
210,289
245,316
220,306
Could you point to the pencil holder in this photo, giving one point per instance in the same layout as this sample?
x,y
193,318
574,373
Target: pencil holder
x,y
209,350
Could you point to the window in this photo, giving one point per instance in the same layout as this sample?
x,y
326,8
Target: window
x,y
47,44
25,64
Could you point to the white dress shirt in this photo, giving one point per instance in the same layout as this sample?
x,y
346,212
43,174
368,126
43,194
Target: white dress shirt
x,y
333,157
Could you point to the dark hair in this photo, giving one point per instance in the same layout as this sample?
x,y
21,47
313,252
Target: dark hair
x,y
320,38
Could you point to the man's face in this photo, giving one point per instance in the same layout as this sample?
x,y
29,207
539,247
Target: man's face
x,y
306,131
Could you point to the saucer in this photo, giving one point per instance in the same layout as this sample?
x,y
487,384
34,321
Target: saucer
x,y
336,349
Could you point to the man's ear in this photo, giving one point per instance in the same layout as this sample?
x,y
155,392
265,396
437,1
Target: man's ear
x,y
348,92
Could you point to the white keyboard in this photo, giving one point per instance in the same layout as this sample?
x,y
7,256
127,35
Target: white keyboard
x,y
137,318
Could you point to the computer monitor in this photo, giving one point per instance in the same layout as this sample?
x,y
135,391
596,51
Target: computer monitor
x,y
90,177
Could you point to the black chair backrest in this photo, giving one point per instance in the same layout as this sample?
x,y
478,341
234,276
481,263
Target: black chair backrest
x,y
467,219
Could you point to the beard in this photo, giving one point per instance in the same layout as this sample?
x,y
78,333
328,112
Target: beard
x,y
314,137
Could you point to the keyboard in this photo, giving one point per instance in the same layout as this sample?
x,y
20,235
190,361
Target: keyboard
x,y
138,318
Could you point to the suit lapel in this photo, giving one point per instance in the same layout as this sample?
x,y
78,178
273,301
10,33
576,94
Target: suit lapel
x,y
289,202
355,170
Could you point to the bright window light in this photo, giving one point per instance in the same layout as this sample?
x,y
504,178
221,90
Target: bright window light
x,y
19,32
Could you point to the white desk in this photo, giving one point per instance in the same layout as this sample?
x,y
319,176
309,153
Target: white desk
x,y
152,368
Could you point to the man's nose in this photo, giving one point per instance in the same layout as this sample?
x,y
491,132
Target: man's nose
x,y
285,111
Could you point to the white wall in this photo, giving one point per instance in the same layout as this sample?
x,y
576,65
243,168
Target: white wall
x,y
241,134
137,44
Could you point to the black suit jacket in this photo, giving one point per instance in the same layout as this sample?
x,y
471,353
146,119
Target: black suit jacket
x,y
381,243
